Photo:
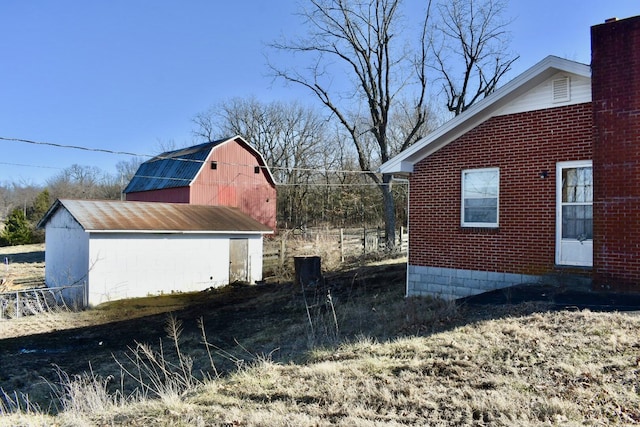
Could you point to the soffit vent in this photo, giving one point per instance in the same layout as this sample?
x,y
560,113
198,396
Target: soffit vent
x,y
561,90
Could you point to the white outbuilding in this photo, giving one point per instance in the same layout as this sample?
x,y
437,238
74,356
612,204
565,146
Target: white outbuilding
x,y
109,250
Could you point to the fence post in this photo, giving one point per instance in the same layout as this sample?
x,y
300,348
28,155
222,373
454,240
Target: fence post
x,y
342,245
364,241
17,304
282,252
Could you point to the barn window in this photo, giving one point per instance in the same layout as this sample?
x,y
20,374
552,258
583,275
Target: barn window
x,y
214,165
480,189
256,169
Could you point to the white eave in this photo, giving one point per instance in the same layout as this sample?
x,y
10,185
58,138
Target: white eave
x,y
478,113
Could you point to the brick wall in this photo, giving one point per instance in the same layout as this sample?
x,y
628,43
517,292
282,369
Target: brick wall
x,y
522,146
616,158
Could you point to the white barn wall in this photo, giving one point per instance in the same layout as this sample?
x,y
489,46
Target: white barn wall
x,y
255,258
66,255
127,265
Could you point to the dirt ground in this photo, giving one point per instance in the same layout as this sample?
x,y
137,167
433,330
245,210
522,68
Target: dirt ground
x,y
241,321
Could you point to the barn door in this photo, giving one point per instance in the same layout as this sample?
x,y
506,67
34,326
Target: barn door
x,y
238,260
574,216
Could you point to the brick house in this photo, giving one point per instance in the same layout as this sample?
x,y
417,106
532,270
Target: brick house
x,y
539,180
226,172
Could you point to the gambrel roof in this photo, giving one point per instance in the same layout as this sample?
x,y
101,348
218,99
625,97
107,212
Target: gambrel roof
x,y
483,110
109,216
179,168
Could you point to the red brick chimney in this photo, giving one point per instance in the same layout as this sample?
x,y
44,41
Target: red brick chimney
x,y
615,82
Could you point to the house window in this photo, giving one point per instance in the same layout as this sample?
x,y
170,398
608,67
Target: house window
x,y
480,188
214,165
256,169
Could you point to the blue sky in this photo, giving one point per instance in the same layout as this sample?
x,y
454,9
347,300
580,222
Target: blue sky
x,y
128,75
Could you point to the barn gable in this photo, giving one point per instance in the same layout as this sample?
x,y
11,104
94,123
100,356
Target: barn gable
x,y
227,172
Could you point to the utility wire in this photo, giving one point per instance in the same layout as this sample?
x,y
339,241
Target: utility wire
x,y
28,166
75,147
159,157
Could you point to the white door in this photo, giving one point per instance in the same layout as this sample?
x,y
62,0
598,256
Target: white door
x,y
574,213
238,260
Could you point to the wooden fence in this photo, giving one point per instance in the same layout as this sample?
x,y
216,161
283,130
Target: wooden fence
x,y
334,246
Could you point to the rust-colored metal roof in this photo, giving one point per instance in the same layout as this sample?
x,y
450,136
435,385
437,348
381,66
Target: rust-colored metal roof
x,y
118,216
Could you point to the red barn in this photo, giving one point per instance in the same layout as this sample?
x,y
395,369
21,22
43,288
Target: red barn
x,y
227,172
538,181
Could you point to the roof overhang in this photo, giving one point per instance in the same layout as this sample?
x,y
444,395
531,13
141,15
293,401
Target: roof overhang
x,y
113,216
231,232
483,110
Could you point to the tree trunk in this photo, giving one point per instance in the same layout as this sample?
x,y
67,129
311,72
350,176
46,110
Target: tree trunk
x,y
389,212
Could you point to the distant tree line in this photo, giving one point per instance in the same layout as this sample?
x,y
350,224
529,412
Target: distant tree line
x,y
23,205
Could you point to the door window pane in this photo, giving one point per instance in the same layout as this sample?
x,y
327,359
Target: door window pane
x,y
577,185
577,222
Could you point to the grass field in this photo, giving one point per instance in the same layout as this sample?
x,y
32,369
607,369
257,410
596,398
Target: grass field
x,y
354,352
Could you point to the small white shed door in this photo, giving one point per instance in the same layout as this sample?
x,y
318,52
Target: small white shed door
x,y
238,260
574,214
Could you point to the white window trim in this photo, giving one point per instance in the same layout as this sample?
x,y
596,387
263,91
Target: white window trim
x,y
479,224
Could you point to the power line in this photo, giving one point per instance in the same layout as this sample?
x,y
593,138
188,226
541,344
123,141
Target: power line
x,y
75,147
166,178
126,153
29,166
371,184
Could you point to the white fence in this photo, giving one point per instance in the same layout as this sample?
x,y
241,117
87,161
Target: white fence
x,y
16,304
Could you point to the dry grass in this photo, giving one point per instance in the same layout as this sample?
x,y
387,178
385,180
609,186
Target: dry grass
x,y
548,368
102,315
21,266
507,372
390,361
556,368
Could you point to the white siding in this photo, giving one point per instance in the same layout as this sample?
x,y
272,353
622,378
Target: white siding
x,y
66,254
255,258
540,97
136,265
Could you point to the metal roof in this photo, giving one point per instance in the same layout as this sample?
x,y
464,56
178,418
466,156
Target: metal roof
x,y
171,169
122,216
180,167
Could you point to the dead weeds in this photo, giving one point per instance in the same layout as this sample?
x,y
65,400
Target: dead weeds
x,y
394,361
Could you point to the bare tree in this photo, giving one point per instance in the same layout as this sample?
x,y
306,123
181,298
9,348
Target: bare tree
x,y
360,40
126,169
470,50
82,182
290,137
